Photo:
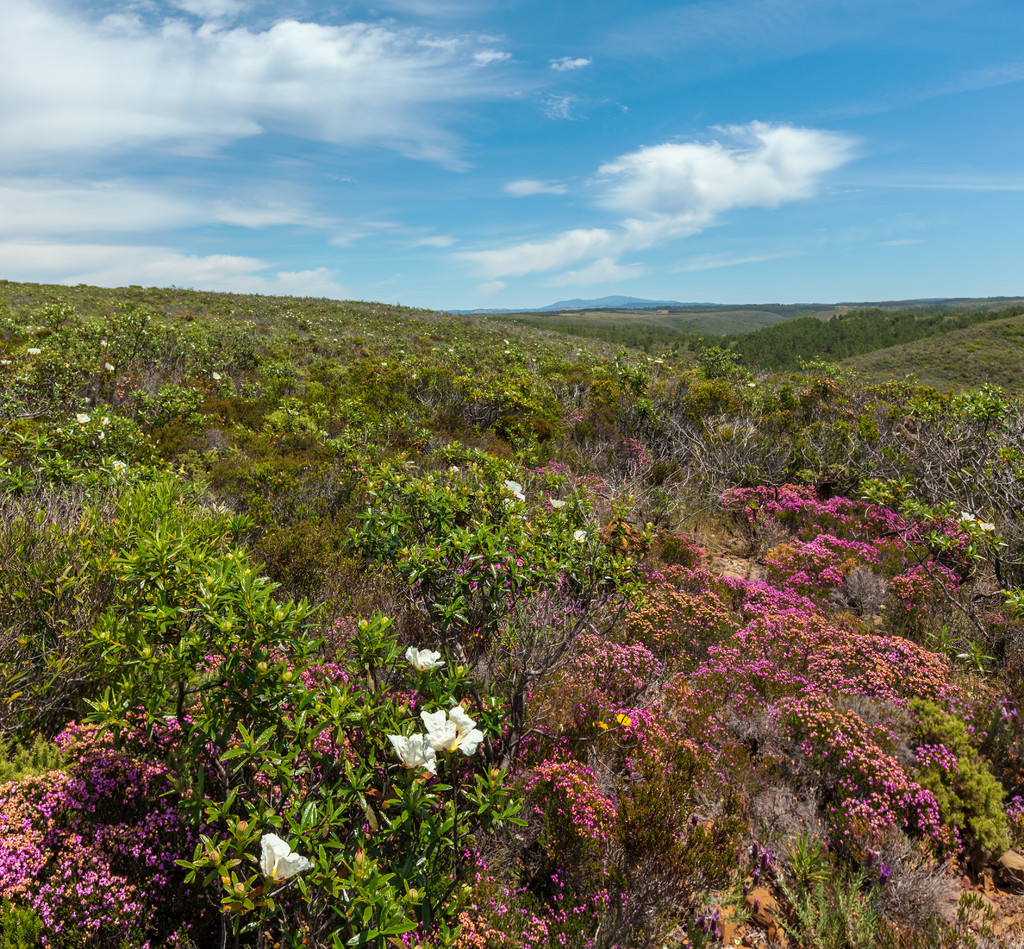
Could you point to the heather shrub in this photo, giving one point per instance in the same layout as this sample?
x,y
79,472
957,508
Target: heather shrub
x,y
676,550
92,851
576,820
870,791
918,598
816,568
665,827
597,681
679,625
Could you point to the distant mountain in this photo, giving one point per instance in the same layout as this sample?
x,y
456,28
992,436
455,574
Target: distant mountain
x,y
634,303
616,302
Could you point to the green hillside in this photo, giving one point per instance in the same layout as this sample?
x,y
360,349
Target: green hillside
x,y
990,353
662,328
855,332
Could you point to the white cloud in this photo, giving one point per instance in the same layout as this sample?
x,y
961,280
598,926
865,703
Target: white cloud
x,y
902,242
674,190
54,207
715,261
769,165
491,288
603,270
110,265
437,240
211,9
526,187
70,86
566,63
559,107
487,56
538,256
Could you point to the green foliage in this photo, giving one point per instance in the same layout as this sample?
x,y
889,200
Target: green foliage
x,y
853,333
20,928
968,795
260,739
833,913
24,762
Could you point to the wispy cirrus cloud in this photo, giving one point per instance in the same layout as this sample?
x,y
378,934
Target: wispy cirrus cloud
x,y
52,207
669,191
487,56
560,107
72,86
526,187
112,265
602,270
717,261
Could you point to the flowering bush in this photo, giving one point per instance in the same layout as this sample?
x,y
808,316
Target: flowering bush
x,y
263,738
576,819
93,851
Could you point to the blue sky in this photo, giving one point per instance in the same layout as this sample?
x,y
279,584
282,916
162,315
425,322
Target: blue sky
x,y
456,154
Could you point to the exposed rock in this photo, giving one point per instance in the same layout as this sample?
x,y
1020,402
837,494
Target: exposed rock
x,y
1010,871
764,908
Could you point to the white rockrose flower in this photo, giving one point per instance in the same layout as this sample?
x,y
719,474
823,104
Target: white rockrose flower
x,y
514,487
423,659
279,860
417,751
452,731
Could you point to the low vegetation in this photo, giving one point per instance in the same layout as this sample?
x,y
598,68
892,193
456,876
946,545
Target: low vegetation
x,y
335,624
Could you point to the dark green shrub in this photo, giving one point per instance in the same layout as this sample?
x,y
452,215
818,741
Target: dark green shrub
x,y
20,928
968,795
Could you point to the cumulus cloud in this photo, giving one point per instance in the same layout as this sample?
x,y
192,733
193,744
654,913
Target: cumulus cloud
x,y
526,187
71,86
665,192
767,165
566,63
111,265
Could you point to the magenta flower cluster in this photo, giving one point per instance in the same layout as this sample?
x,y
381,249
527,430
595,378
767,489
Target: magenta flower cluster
x,y
92,850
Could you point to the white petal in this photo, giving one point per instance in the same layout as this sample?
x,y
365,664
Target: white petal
x,y
415,751
273,848
470,742
441,733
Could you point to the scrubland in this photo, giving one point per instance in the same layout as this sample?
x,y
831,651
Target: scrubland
x,y
336,624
